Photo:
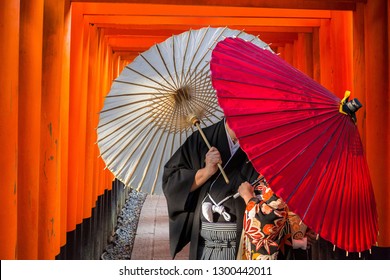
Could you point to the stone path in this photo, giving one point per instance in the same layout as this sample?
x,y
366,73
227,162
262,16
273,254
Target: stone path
x,y
152,237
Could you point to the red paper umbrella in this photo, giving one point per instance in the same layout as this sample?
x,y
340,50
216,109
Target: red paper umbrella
x,y
302,138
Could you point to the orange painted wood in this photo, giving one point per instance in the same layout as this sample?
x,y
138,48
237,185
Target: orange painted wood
x,y
289,53
30,78
304,51
280,52
342,55
197,22
137,43
132,29
9,57
359,68
208,10
76,58
49,191
82,82
326,56
64,126
377,110
91,121
290,4
316,55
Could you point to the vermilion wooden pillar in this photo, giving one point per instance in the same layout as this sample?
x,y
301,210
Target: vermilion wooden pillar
x,y
92,114
9,57
289,53
98,177
359,67
326,55
316,55
74,116
49,217
341,35
64,124
105,84
81,122
304,53
30,79
377,109
88,118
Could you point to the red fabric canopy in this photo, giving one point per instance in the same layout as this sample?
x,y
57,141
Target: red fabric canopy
x,y
292,131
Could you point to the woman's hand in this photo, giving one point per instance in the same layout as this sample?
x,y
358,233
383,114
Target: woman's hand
x,y
311,237
246,191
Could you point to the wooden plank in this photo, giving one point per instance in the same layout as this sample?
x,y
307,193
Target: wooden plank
x,y
197,22
289,4
30,89
9,79
169,30
104,9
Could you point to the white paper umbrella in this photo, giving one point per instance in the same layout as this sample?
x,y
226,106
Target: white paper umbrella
x,y
153,105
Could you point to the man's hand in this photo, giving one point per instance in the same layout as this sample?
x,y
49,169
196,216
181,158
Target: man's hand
x,y
213,157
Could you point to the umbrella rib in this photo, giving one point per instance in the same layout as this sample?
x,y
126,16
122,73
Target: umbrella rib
x,y
286,141
161,159
204,104
122,116
135,94
309,144
142,85
166,68
194,55
116,130
170,87
204,55
117,140
207,98
127,104
280,70
147,77
327,100
324,171
141,141
332,104
269,66
174,61
165,110
293,122
211,47
138,161
294,110
184,58
129,121
312,164
342,193
309,83
147,167
126,144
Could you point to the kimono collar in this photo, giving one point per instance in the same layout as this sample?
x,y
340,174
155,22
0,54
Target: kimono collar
x,y
232,146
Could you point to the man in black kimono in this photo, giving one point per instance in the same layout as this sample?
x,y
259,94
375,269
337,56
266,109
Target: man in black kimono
x,y
201,206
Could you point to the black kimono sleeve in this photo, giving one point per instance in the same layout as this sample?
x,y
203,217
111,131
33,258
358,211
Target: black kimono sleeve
x,y
178,177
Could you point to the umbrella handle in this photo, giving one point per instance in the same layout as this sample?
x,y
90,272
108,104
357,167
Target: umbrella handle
x,y
209,146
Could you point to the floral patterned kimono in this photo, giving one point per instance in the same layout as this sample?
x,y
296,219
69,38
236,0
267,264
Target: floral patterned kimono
x,y
266,234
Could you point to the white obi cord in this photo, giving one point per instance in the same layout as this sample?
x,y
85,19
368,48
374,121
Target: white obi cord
x,y
209,208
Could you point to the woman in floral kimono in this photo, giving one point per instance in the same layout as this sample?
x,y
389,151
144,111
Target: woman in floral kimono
x,y
266,228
